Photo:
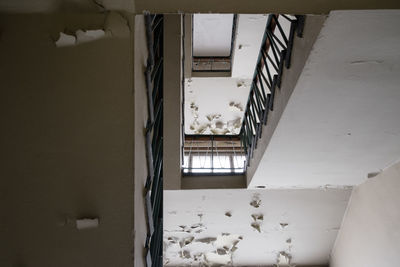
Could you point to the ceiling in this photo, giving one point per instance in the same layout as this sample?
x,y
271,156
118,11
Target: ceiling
x,y
301,224
342,123
212,35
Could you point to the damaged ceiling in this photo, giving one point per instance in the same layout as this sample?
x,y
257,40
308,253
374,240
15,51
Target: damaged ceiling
x,y
216,105
251,227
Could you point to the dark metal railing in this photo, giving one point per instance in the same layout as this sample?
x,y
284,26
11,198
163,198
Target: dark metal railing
x,y
154,140
275,54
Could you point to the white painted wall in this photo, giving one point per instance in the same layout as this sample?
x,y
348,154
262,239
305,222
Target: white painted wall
x,y
250,32
212,35
313,217
342,120
370,233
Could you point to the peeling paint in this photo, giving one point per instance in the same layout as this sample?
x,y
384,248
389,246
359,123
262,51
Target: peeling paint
x,y
236,106
256,201
283,225
65,40
283,259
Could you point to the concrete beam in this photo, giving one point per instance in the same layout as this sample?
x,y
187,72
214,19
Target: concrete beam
x,y
260,6
214,182
301,49
172,102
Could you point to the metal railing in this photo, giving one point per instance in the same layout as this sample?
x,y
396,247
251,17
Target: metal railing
x,y
154,140
213,155
274,55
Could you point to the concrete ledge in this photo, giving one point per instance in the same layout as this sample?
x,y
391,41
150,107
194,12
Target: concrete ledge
x,y
214,182
301,50
259,6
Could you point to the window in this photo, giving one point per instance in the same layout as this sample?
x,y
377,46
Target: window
x,y
210,154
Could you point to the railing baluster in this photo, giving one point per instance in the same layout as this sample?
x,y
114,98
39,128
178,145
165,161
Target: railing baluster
x,y
154,132
260,102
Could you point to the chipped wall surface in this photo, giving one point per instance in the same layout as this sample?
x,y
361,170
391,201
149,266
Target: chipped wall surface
x,y
251,227
215,105
370,233
66,143
342,120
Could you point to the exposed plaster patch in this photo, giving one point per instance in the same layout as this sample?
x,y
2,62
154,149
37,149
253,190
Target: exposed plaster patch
x,y
256,225
241,83
89,35
65,40
283,225
373,174
86,223
358,62
207,240
283,259
227,241
185,241
212,117
186,254
80,37
257,217
214,259
256,201
235,106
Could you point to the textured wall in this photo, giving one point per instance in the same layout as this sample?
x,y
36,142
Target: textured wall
x,y
66,142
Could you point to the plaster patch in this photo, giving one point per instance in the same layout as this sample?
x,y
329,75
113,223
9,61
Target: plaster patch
x,y
65,40
86,223
256,225
89,35
214,259
283,259
256,201
283,225
235,106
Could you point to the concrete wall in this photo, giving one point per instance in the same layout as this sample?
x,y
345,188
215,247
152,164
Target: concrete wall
x,y
301,50
141,115
370,232
342,121
66,142
172,131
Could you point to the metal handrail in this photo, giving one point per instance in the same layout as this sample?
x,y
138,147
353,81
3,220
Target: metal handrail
x,y
154,139
275,54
